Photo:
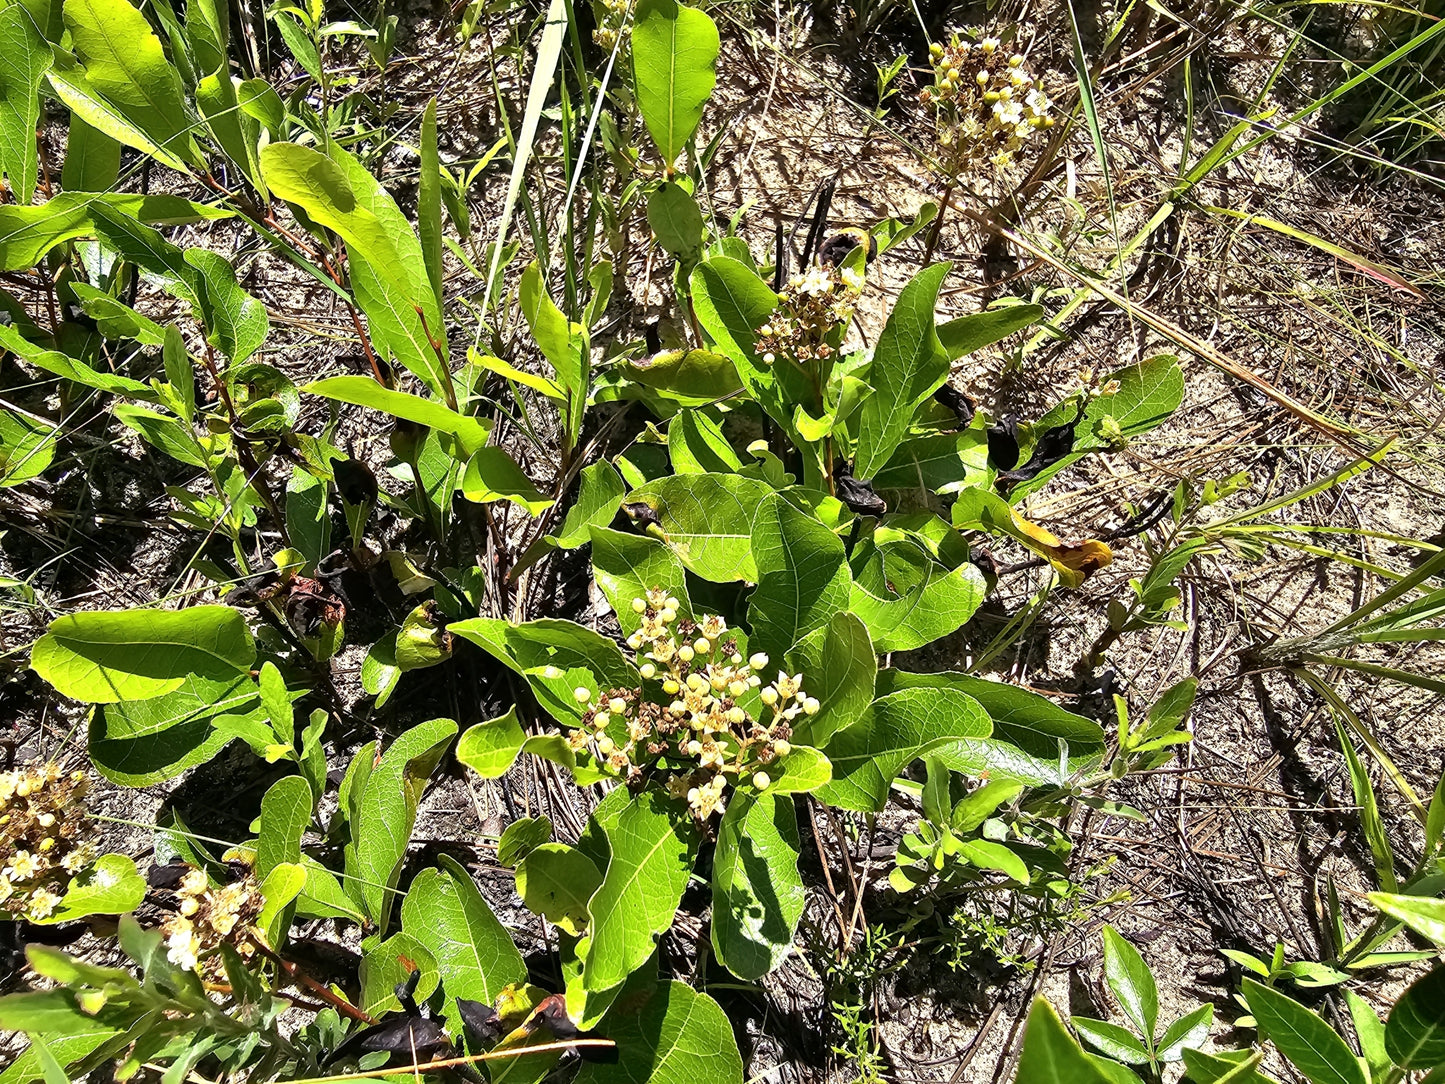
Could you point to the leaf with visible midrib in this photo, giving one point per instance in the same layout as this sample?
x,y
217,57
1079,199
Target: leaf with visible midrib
x,y
653,844
757,895
556,881
803,578
896,730
363,391
285,813
445,911
1415,1032
667,1033
1050,1054
105,656
627,566
1132,982
388,270
25,56
1311,1045
674,61
909,363
125,63
839,667
706,520
386,813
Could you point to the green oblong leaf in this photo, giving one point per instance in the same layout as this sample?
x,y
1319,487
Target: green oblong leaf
x,y
757,895
1311,1045
109,886
667,1033
894,731
909,363
707,521
493,475
126,67
674,65
1132,982
803,579
839,668
25,57
386,812
653,843
106,656
1415,1032
556,881
490,748
675,218
445,912
1050,1054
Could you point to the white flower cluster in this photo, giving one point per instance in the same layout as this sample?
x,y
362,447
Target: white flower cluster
x,y
810,316
612,23
688,718
45,833
206,916
988,105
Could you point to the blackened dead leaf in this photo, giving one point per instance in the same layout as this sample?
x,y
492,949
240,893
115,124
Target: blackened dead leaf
x,y
642,515
960,404
857,494
169,875
1057,442
1003,442
354,481
404,1037
837,248
482,1023
311,605
552,1014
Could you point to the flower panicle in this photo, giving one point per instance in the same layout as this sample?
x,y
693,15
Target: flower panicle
x,y
702,713
208,915
987,103
46,837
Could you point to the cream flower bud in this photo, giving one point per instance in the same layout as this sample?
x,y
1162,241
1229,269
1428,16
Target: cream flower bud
x,y
648,671
639,605
670,687
551,673
782,748
811,706
617,705
582,694
685,653
761,780
769,696
702,645
759,661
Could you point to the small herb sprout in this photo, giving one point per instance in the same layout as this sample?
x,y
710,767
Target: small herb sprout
x,y
208,916
987,104
45,837
688,718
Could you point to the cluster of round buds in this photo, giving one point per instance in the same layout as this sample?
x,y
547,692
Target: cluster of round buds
x,y
688,717
208,915
810,311
987,103
611,23
45,838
